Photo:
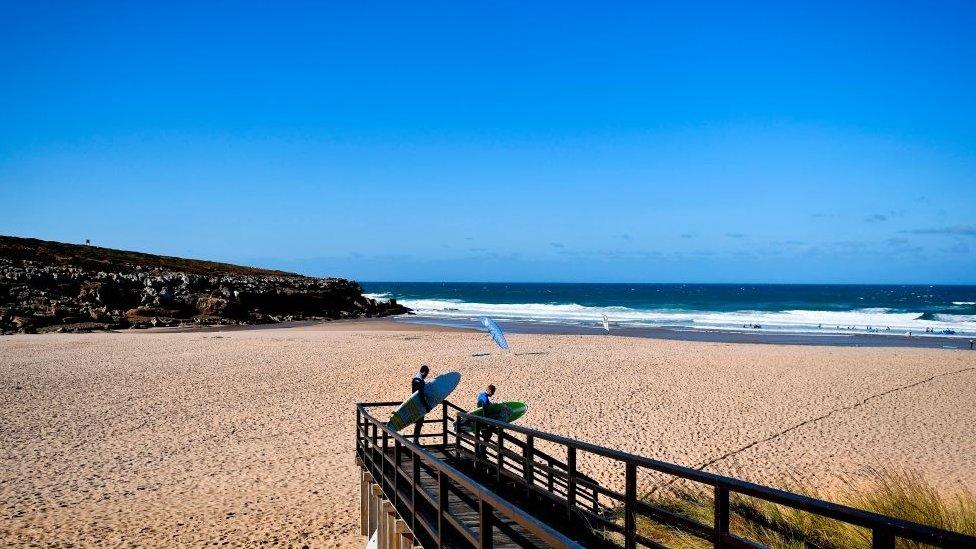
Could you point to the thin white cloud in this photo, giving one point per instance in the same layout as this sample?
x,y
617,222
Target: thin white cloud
x,y
957,230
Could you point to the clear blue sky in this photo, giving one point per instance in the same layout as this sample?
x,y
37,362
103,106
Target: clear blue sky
x,y
501,141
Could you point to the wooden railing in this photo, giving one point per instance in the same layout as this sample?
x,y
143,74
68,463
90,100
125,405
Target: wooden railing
x,y
384,453
516,459
512,455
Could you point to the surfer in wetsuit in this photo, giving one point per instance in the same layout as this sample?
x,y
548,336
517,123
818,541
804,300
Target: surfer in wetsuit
x,y
417,385
484,401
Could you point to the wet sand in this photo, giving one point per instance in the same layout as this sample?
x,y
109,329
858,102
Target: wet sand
x,y
170,439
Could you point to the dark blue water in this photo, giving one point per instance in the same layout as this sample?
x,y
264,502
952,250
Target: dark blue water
x,y
699,297
782,307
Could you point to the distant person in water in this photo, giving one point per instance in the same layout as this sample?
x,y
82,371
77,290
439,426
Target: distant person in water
x,y
417,385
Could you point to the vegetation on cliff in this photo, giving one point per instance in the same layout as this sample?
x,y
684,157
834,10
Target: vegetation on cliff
x,y
52,286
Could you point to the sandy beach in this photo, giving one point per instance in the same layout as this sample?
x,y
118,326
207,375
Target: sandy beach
x,y
246,437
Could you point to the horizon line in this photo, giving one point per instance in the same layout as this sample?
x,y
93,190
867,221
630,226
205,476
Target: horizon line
x,y
663,283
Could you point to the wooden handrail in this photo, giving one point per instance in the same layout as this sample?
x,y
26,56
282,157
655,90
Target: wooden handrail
x,y
445,474
569,486
885,529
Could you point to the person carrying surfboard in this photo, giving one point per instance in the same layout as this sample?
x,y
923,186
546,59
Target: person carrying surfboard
x,y
417,385
484,397
484,401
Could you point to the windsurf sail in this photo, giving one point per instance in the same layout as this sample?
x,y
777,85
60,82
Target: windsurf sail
x,y
495,331
606,324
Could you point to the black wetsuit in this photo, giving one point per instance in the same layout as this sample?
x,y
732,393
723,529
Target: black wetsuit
x,y
417,386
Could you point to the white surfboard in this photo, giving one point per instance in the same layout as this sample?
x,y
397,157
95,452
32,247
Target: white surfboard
x,y
412,409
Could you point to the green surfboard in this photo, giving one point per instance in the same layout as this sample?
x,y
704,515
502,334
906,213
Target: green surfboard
x,y
501,411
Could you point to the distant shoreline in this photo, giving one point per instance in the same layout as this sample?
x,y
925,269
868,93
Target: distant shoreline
x,y
714,336
420,323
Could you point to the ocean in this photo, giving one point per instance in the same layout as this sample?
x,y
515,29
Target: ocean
x,y
947,311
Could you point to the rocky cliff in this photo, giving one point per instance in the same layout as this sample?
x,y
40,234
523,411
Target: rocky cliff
x,y
51,286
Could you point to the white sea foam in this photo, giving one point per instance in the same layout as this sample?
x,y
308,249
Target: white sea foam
x,y
945,317
784,321
964,302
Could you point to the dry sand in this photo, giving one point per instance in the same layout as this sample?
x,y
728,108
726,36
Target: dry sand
x,y
156,439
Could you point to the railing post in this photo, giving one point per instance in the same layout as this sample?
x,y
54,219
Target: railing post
x,y
630,504
359,426
444,425
397,458
477,444
528,465
485,526
501,455
367,449
882,539
414,486
571,480
386,447
441,506
374,439
549,481
457,441
721,515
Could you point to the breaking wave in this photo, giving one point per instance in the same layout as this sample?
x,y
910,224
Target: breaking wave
x,y
859,320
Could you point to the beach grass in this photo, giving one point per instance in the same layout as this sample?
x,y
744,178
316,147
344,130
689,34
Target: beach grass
x,y
900,494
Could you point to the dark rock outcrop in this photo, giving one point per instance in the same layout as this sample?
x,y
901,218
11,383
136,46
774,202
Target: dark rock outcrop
x,y
50,286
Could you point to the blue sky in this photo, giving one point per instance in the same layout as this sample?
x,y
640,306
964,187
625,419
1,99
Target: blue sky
x,y
502,141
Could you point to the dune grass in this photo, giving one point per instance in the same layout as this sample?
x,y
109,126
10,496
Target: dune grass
x,y
898,494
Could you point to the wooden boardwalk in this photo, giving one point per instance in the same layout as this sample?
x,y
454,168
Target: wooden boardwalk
x,y
456,490
463,505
